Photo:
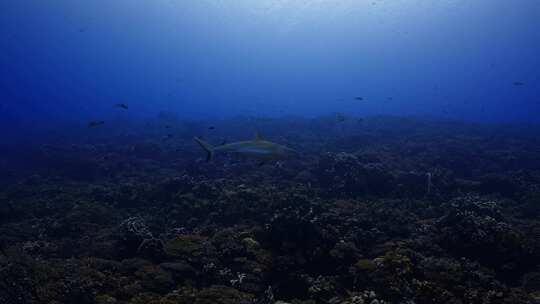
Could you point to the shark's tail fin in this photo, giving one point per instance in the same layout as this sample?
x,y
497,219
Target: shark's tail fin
x,y
207,147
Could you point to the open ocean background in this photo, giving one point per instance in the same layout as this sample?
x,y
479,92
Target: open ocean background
x,y
71,60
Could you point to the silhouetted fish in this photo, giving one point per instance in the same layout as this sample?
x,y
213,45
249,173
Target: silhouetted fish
x,y
340,117
122,106
93,124
518,83
211,128
359,98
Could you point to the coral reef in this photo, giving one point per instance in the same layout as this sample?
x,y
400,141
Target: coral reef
x,y
439,212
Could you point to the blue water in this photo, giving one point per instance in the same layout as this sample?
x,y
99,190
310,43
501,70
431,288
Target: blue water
x,y
72,60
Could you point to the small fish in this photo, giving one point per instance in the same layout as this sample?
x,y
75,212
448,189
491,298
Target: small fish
x,y
121,105
340,117
359,98
211,128
94,124
518,83
257,148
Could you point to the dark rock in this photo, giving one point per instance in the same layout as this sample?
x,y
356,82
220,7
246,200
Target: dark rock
x,y
155,279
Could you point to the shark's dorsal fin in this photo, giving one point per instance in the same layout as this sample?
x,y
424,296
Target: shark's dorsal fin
x,y
258,136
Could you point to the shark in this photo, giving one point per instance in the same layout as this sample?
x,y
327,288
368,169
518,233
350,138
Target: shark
x,y
257,148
